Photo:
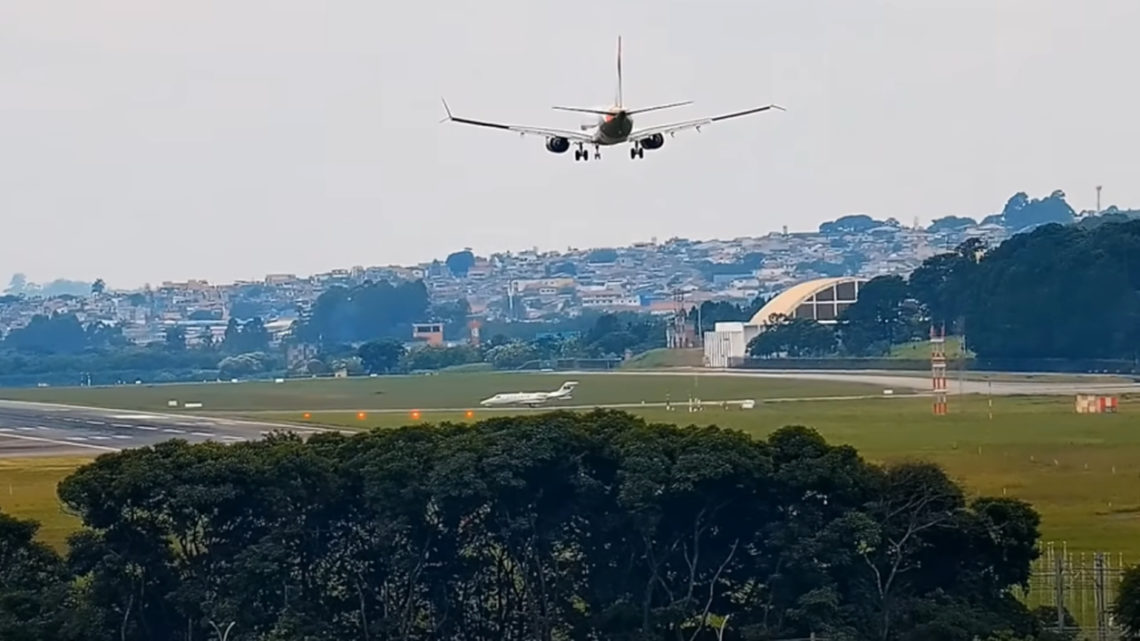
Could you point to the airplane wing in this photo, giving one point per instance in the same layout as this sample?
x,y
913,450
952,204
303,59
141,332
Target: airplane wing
x,y
537,131
673,128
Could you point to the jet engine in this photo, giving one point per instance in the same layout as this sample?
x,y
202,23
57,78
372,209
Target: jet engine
x,y
557,144
653,142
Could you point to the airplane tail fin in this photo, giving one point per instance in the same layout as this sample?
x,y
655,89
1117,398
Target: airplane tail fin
x,y
618,98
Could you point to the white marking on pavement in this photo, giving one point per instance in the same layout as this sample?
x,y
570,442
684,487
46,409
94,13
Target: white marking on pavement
x,y
53,441
145,427
95,422
206,434
101,438
171,430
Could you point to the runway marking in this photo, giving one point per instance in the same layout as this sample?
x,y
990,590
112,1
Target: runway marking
x,y
25,429
53,441
95,422
232,438
171,430
206,434
101,438
121,437
77,438
121,425
145,427
6,429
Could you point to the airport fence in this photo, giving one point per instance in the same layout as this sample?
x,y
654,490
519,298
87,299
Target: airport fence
x,y
1082,585
1122,367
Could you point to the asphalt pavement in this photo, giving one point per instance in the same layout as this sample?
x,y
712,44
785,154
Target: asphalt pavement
x,y
37,429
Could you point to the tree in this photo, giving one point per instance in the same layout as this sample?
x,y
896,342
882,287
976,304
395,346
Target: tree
x,y
382,356
512,355
545,526
1126,608
879,318
363,313
459,263
98,287
175,338
794,337
33,589
18,285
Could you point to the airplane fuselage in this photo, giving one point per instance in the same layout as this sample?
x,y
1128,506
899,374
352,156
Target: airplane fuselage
x,y
613,128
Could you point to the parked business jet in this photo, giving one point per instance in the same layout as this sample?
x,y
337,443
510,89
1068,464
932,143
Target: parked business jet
x,y
614,126
531,399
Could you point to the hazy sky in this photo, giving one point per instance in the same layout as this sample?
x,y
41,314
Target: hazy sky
x,y
143,141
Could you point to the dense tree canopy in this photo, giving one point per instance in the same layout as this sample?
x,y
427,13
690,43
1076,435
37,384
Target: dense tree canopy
x,y
550,526
365,312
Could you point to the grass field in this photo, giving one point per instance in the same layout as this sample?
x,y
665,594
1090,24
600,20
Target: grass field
x,y
437,391
27,490
1082,472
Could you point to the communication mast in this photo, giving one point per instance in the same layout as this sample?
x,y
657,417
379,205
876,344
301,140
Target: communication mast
x,y
938,369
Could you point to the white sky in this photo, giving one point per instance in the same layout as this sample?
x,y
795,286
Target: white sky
x,y
143,141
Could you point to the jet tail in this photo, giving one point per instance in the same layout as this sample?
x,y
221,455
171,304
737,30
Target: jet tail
x,y
618,98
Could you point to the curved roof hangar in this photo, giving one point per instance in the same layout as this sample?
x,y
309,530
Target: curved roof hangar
x,y
822,299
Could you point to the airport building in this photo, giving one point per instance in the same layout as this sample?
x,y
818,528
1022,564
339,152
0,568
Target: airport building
x,y
822,300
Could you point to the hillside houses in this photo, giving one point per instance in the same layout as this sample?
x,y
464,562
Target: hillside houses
x,y
650,277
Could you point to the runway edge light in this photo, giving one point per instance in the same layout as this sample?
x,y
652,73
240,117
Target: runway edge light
x,y
361,416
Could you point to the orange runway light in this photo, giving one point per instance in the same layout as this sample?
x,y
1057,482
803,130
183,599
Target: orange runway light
x,y
470,414
361,416
306,416
415,415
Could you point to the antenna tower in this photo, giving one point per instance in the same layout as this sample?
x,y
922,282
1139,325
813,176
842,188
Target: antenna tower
x,y
938,369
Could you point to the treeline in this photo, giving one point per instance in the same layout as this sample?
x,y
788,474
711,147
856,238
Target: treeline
x,y
61,349
544,527
1058,292
609,336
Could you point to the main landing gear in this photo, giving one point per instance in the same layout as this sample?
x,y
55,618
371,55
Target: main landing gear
x,y
581,154
636,151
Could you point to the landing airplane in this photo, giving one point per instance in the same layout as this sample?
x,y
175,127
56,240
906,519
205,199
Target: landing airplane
x,y
613,126
531,399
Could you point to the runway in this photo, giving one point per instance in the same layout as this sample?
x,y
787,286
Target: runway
x,y
36,429
900,381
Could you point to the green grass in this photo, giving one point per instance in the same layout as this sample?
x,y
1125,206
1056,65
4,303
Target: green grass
x,y
921,349
438,391
27,491
1079,471
665,358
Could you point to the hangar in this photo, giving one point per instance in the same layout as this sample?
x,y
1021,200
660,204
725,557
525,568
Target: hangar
x,y
822,300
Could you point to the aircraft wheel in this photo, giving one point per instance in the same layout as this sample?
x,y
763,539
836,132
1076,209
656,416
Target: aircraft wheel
x,y
632,153
640,152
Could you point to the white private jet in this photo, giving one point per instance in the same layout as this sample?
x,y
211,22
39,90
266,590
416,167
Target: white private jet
x,y
531,399
613,126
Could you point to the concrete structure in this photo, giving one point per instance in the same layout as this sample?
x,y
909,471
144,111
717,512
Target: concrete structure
x,y
431,333
728,341
822,299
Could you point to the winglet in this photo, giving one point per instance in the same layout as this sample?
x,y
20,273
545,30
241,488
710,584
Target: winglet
x,y
446,109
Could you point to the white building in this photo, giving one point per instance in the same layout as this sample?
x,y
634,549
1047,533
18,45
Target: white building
x,y
822,300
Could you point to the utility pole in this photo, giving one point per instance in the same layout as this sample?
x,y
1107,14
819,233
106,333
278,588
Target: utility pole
x,y
1098,199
